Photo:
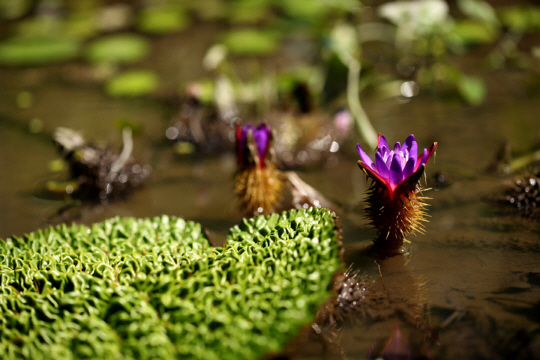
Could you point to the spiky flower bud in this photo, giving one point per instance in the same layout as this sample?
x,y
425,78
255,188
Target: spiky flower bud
x,y
395,208
258,183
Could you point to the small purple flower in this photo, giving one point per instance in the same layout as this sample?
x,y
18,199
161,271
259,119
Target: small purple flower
x,y
261,135
393,166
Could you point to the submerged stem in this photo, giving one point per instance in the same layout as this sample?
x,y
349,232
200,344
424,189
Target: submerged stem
x,y
124,155
366,130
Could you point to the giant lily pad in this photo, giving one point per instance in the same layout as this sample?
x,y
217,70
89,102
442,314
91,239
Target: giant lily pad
x,y
157,289
252,41
162,20
37,50
132,83
118,48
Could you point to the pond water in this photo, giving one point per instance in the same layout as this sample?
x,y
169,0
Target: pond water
x,y
474,275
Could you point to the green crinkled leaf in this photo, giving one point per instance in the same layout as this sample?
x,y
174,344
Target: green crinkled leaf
x,y
156,289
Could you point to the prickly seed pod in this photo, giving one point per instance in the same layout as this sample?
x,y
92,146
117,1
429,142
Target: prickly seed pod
x,y
101,174
522,196
395,205
258,183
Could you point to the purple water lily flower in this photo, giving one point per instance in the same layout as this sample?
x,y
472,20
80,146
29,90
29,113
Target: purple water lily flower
x,y
393,166
262,134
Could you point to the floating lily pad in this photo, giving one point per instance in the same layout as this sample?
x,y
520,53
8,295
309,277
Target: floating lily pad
x,y
133,83
120,48
162,20
305,8
472,89
37,50
520,18
249,11
157,289
210,9
80,25
474,32
252,42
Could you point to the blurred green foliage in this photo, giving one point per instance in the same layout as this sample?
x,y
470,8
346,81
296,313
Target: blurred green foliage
x,y
252,41
159,20
416,37
472,89
472,32
521,18
37,50
132,83
249,11
118,48
157,289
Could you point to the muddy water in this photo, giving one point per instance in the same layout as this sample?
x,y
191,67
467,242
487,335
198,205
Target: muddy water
x,y
473,279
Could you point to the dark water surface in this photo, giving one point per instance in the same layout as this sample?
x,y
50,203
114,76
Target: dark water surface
x,y
476,273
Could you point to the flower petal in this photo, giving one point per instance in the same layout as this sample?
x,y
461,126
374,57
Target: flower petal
x,y
407,144
261,135
400,159
413,151
365,158
245,131
396,173
426,155
409,168
410,182
382,141
382,168
240,143
422,160
397,147
372,173
383,150
431,151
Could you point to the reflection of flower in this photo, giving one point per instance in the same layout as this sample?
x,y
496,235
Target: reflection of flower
x,y
394,207
258,183
393,167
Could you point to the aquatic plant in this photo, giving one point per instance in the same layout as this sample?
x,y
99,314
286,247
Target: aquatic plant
x,y
521,196
100,173
157,289
306,134
258,183
395,207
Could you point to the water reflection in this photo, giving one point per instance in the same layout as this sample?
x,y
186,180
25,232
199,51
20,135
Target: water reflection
x,y
375,296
